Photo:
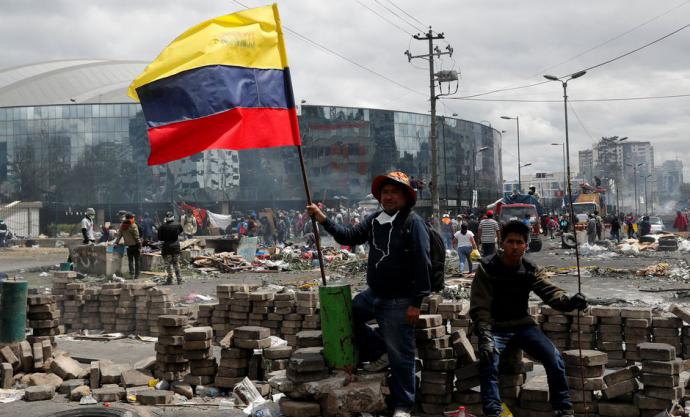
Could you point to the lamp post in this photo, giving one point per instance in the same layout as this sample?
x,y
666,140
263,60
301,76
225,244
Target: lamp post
x,y
474,173
517,121
562,144
567,152
618,169
637,200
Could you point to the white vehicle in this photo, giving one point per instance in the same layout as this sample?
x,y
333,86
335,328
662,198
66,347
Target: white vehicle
x,y
657,224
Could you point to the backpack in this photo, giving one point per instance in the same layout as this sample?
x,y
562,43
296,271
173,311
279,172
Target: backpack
x,y
437,252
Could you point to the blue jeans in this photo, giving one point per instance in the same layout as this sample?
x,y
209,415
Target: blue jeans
x,y
464,253
448,240
393,336
531,340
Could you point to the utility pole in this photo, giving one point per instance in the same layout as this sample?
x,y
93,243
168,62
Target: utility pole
x,y
442,76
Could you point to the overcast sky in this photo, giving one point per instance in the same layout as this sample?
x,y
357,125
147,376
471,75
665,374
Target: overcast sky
x,y
497,44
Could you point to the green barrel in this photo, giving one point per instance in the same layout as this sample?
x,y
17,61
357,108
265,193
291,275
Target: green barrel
x,y
337,326
13,311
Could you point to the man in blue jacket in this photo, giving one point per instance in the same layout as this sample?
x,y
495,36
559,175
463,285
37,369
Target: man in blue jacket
x,y
398,276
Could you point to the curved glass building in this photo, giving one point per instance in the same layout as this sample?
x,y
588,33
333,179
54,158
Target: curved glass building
x,y
70,136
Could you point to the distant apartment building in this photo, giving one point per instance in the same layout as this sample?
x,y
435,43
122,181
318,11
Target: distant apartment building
x,y
669,177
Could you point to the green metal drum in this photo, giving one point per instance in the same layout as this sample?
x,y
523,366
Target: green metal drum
x,y
337,326
13,311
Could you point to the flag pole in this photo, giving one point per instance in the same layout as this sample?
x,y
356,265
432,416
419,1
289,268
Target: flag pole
x,y
314,225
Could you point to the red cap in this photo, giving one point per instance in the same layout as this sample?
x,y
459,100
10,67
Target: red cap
x,y
490,213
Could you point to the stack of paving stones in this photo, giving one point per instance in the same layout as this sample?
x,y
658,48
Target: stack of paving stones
x,y
430,304
72,304
171,363
306,309
60,281
666,329
513,368
685,341
585,375
219,312
610,334
276,358
126,311
534,399
284,304
438,363
304,365
618,393
234,363
142,306
91,318
465,358
451,310
160,303
261,305
684,315
238,308
44,317
660,377
584,336
198,350
636,329
108,298
204,315
556,327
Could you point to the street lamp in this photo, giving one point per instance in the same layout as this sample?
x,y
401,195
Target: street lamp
x,y
517,120
526,165
567,150
634,167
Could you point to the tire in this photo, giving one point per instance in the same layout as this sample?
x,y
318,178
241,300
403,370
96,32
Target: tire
x,y
568,241
95,412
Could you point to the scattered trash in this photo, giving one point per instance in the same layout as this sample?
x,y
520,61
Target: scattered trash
x,y
10,395
591,250
192,298
266,409
658,270
684,245
87,400
43,274
245,392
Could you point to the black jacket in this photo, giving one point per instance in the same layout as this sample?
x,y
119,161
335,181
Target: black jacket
x,y
168,233
399,266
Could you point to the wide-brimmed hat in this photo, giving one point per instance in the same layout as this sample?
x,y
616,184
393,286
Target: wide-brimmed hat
x,y
394,177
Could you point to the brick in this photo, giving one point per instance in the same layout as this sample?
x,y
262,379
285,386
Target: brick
x,y
656,351
649,403
39,393
440,365
663,381
67,368
680,312
622,375
601,311
251,333
430,333
589,358
593,384
291,408
536,389
154,397
197,344
309,338
252,344
462,347
6,376
95,375
135,377
636,313
307,362
9,357
673,367
281,352
621,388
587,371
429,320
611,409
172,320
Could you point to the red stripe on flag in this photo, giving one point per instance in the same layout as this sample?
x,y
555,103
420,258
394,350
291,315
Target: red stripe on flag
x,y
236,129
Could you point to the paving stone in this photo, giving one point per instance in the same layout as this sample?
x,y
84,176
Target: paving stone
x,y
621,388
309,338
536,389
135,377
440,365
37,350
182,389
26,356
429,320
622,375
6,376
108,394
252,344
67,368
593,384
67,386
172,320
95,375
611,409
291,408
251,333
78,392
587,371
663,381
680,312
154,397
468,371
656,351
146,363
602,311
589,357
649,403
112,373
430,333
39,393
40,378
307,362
197,344
462,347
281,352
673,367
8,356
636,312
198,333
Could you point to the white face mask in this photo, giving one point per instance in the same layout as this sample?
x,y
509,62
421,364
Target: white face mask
x,y
385,218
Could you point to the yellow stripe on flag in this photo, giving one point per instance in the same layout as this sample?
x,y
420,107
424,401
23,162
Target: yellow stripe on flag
x,y
251,38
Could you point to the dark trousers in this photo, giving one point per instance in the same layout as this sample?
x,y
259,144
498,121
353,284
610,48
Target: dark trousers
x,y
393,336
531,340
133,256
488,249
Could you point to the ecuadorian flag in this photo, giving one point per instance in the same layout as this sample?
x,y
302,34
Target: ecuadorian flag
x,y
223,84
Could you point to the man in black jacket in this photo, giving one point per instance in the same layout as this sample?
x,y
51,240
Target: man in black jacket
x,y
170,249
398,276
499,310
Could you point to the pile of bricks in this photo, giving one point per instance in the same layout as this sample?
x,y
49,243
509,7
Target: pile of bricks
x,y
636,327
44,316
534,399
666,329
585,375
618,393
261,305
126,311
236,354
512,370
464,356
108,299
556,327
198,350
72,303
171,363
660,377
438,363
60,281
276,358
160,303
584,336
91,318
610,334
305,365
142,306
205,314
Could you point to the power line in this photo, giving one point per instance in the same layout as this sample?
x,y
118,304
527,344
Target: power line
x,y
386,19
572,100
585,69
398,16
307,40
414,18
579,121
540,72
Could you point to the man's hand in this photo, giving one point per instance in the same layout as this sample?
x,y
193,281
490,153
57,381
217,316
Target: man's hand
x,y
412,315
578,302
315,212
487,346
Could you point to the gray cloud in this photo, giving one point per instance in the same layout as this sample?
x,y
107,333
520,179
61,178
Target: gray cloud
x,y
497,44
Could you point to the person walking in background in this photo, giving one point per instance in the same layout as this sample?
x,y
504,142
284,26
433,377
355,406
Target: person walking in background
x,y
591,229
629,225
489,234
447,231
464,240
148,228
129,233
551,226
168,233
3,233
616,229
681,222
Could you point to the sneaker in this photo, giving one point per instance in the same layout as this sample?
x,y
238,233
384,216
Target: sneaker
x,y
378,365
402,412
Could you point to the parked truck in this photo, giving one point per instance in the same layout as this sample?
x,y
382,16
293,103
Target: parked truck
x,y
516,207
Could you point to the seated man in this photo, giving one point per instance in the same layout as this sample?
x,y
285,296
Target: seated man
x,y
499,310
